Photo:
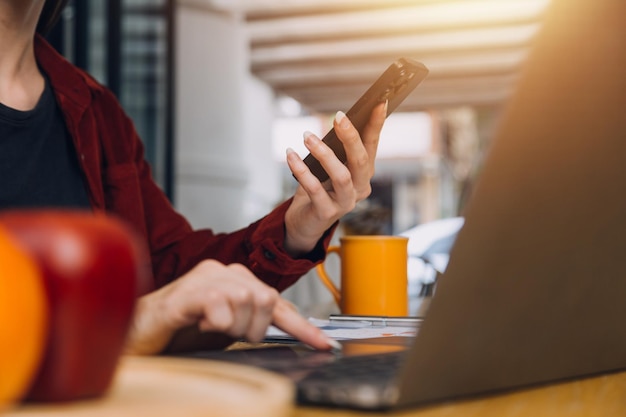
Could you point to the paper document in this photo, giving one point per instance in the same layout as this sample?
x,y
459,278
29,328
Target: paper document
x,y
344,330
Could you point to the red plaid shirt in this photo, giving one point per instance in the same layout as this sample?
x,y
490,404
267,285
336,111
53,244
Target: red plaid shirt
x,y
120,183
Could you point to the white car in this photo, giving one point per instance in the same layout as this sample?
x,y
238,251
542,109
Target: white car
x,y
429,250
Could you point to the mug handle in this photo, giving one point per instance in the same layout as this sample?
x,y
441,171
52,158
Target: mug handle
x,y
323,276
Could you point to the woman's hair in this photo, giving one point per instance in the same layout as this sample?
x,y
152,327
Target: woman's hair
x,y
50,14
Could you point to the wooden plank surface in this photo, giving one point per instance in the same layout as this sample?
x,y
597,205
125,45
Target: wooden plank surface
x,y
164,387
603,395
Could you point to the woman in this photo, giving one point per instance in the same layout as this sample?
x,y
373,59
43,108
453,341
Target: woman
x,y
56,118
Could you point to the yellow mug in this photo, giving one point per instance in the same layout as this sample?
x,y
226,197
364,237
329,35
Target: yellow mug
x,y
373,275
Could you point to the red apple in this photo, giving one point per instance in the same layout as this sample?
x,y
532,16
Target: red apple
x,y
93,269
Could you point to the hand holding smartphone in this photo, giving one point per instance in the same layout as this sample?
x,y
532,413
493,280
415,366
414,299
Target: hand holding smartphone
x,y
394,85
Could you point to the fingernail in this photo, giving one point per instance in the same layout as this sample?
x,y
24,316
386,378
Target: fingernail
x,y
386,106
335,344
309,135
289,151
341,119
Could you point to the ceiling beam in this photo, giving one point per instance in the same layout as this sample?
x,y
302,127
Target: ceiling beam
x,y
420,102
266,9
315,75
411,18
413,45
441,92
326,53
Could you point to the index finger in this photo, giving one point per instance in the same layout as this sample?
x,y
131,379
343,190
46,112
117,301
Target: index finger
x,y
371,131
290,321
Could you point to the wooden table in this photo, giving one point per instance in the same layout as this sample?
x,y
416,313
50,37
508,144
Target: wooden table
x,y
173,387
601,396
163,387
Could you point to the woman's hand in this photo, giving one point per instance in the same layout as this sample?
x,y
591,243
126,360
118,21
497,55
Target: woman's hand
x,y
318,206
222,298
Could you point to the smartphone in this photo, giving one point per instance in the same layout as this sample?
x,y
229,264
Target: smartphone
x,y
393,85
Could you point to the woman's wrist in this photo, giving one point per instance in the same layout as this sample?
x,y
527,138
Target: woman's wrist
x,y
298,247
148,334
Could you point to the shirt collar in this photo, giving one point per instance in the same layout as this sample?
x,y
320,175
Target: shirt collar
x,y
70,84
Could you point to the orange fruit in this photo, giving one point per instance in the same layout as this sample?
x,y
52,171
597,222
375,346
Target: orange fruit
x,y
23,319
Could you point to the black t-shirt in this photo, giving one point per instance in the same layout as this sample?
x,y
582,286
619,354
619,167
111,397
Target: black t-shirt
x,y
38,163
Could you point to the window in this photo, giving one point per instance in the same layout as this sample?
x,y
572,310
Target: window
x,y
127,45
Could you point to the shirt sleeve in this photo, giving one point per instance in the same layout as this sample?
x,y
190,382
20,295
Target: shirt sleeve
x,y
131,193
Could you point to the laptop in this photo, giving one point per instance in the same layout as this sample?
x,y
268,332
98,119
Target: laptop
x,y
535,289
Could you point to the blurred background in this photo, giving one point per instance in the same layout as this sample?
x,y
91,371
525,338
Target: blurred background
x,y
218,89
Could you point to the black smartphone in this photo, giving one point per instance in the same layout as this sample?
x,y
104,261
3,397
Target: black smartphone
x,y
393,85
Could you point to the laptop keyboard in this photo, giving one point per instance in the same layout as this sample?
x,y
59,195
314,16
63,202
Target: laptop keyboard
x,y
367,381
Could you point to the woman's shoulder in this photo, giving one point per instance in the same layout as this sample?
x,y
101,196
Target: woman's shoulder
x,y
67,78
